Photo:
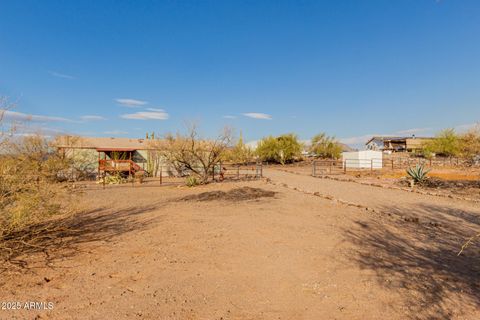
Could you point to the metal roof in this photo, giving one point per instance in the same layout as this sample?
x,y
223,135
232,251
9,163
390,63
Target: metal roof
x,y
108,144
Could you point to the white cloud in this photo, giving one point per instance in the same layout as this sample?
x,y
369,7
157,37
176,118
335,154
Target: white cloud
x,y
31,130
151,114
92,118
358,139
116,132
131,103
61,75
256,115
414,131
229,117
19,116
465,127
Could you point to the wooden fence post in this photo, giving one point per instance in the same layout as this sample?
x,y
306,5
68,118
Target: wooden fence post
x,y
345,166
161,175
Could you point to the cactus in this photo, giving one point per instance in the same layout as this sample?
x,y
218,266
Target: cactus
x,y
152,157
418,173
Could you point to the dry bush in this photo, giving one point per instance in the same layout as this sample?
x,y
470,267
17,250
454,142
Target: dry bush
x,y
30,195
189,154
471,143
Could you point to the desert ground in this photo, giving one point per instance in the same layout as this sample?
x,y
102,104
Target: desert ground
x,y
454,181
288,246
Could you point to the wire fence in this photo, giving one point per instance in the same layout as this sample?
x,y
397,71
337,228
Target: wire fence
x,y
170,176
167,176
321,167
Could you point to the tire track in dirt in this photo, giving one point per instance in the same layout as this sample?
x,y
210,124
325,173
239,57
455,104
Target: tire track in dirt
x,y
411,207
377,185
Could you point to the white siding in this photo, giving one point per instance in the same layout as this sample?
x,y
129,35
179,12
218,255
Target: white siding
x,y
363,159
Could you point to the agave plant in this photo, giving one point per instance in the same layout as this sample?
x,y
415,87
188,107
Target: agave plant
x,y
418,173
192,181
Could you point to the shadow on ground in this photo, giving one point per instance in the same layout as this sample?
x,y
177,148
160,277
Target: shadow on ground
x,y
419,259
61,238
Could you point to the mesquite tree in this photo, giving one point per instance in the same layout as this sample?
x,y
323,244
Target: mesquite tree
x,y
189,153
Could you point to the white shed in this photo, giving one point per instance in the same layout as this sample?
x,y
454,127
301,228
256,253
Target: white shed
x,y
366,159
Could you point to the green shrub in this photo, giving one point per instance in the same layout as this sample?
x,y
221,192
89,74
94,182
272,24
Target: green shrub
x,y
240,153
112,179
324,146
192,181
446,143
282,149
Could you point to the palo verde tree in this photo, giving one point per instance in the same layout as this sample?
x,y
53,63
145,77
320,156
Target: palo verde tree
x,y
240,153
324,146
446,143
282,149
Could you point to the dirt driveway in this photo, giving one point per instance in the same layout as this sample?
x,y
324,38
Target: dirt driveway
x,y
426,208
151,253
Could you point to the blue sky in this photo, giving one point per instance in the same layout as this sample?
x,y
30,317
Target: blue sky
x,y
349,68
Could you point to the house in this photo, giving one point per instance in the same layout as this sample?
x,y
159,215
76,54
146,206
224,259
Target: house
x,y
375,144
106,155
397,144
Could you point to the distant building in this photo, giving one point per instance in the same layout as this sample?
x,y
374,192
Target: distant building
x,y
397,144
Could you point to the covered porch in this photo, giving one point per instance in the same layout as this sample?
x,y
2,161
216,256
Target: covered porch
x,y
117,160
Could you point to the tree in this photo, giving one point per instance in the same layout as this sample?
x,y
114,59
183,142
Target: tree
x,y
324,146
282,149
240,153
189,153
446,143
